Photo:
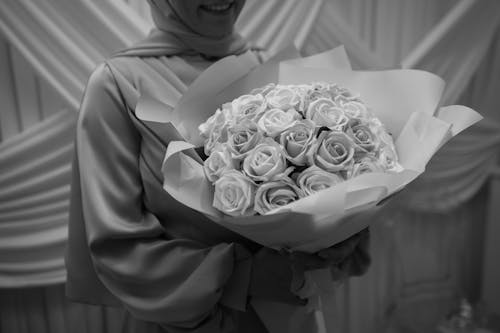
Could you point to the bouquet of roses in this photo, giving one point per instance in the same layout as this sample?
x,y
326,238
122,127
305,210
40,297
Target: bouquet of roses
x,y
290,153
281,143
289,158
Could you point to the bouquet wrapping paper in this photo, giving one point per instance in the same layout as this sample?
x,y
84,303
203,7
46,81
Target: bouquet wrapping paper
x,y
406,102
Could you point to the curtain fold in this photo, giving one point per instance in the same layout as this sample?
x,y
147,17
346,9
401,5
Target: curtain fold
x,y
35,169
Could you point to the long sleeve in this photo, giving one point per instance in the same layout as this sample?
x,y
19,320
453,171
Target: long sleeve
x,y
179,283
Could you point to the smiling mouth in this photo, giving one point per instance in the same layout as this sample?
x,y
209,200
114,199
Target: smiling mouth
x,y
218,8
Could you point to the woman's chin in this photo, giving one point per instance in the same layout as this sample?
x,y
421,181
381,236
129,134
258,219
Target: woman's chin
x,y
216,23
220,29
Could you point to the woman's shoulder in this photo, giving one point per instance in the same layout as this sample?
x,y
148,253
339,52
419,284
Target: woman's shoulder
x,y
134,76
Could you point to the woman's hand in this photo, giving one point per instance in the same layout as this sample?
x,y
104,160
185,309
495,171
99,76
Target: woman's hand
x,y
276,275
272,277
350,257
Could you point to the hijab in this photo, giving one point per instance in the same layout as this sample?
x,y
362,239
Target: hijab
x,y
173,37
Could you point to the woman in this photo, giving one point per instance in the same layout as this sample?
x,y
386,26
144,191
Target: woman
x,y
130,243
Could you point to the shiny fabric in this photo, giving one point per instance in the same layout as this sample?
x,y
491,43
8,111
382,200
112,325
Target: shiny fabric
x,y
164,262
172,36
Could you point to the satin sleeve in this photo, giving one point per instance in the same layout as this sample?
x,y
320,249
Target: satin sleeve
x,y
180,284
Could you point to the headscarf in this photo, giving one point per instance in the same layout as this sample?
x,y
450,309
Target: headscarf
x,y
173,37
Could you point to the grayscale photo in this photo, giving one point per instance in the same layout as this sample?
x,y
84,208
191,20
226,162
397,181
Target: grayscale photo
x,y
249,166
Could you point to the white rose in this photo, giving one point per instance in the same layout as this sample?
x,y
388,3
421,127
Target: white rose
x,y
282,97
215,120
333,151
219,162
388,158
325,112
214,130
275,121
297,140
365,165
248,107
266,162
341,93
354,109
242,138
314,179
263,90
302,91
276,194
363,136
234,194
319,90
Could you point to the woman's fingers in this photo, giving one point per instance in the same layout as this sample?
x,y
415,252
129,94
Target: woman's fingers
x,y
338,252
306,262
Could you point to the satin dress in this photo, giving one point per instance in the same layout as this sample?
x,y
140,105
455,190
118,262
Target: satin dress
x,y
130,243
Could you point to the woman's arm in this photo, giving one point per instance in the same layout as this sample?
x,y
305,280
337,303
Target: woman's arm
x,y
177,283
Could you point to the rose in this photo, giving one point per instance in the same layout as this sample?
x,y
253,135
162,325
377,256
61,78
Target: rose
x,y
215,120
387,151
355,108
333,151
297,140
314,179
363,136
325,112
219,162
365,165
266,162
263,90
276,194
319,90
248,107
242,138
388,158
302,92
282,97
234,194
214,130
275,121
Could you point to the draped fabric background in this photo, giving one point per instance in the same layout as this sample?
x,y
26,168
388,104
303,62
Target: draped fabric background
x,y
440,217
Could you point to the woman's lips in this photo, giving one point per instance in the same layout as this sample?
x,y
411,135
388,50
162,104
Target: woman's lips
x,y
218,8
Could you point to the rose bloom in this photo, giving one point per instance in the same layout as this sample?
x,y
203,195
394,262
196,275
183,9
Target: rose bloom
x,y
242,138
325,112
249,107
363,136
266,162
333,151
282,97
263,90
276,194
275,121
365,165
388,158
216,120
354,109
219,162
297,140
341,92
387,154
234,194
319,90
302,91
314,179
214,130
